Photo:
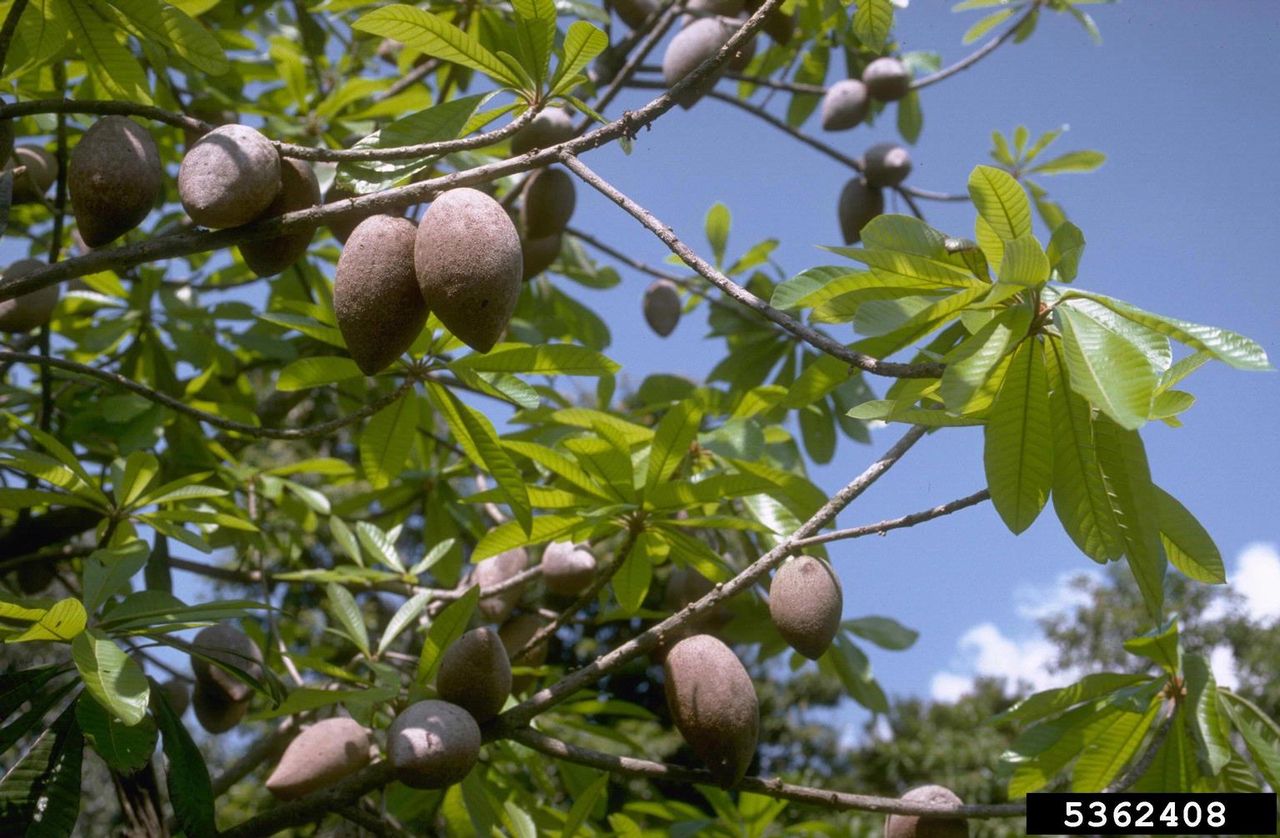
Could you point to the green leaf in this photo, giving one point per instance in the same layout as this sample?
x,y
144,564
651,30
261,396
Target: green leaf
x,y
1024,262
889,410
1051,702
717,226
985,25
631,582
107,572
112,66
671,440
1187,544
853,669
535,28
545,528
1072,161
17,687
1174,768
910,117
40,793
1080,495
1001,202
306,373
582,43
558,464
345,609
433,36
583,804
1261,735
971,379
818,430
1066,246
1111,748
190,791
872,21
172,29
387,439
1124,468
1160,645
125,749
1018,441
1045,749
1227,346
405,614
1203,720
447,627
885,632
111,676
548,359
64,621
1108,370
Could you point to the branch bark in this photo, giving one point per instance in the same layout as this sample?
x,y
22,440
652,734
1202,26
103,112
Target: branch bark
x,y
897,523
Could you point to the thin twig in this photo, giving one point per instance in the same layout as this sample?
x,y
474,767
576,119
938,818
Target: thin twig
x,y
978,54
895,523
648,35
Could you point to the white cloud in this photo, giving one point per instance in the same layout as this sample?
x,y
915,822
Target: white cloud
x,y
1257,579
1223,663
985,651
949,687
1062,597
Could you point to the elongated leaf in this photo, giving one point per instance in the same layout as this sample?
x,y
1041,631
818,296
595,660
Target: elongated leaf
x,y
1054,701
548,359
535,28
113,67
125,749
558,464
717,226
1261,735
431,35
1001,202
306,373
1174,768
1043,750
64,621
17,687
111,676
671,440
872,21
511,534
107,572
1111,748
885,632
1204,719
447,627
582,43
170,28
187,778
970,364
1113,374
1161,645
889,410
40,794
1072,161
1187,544
1024,262
1065,249
404,616
583,804
1128,476
631,582
850,664
1018,442
344,608
387,439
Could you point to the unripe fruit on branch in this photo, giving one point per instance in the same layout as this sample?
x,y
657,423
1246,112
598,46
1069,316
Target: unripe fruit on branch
x,y
299,190
886,164
567,569
114,177
551,126
844,105
858,204
662,306
539,253
376,297
549,200
714,705
633,12
495,570
42,171
470,270
214,711
887,79
912,826
320,756
691,46
433,744
233,647
475,674
229,177
805,604
177,694
33,309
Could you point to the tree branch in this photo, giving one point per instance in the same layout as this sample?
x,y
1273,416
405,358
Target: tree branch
x,y
740,294
647,36
840,801
895,523
980,53
520,715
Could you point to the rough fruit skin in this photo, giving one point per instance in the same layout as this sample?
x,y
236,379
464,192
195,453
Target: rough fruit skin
x,y
911,826
42,171
495,570
33,309
887,79
845,105
567,569
714,705
539,253
299,190
320,756
475,674
214,711
114,177
229,177
178,696
858,204
886,164
691,46
548,202
469,266
231,646
433,744
551,126
662,306
633,12
376,298
805,603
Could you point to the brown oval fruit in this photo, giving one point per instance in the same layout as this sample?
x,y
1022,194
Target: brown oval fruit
x,y
230,646
42,171
433,744
178,694
805,603
714,705
548,202
495,570
299,190
320,756
567,569
912,826
515,633
376,298
886,164
858,204
539,253
844,105
662,306
31,310
475,674
469,266
214,711
633,12
551,126
691,46
114,177
229,177
887,79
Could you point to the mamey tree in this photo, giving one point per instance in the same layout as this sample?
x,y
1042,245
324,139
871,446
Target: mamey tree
x,y
269,367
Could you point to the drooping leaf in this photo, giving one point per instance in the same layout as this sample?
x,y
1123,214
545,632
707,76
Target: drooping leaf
x,y
40,793
1203,718
386,440
1018,441
672,437
432,35
1108,370
187,777
1128,477
345,609
1187,544
1001,202
126,749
